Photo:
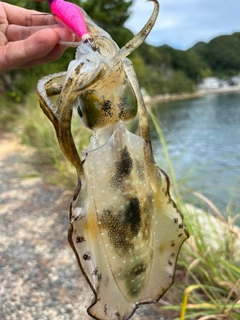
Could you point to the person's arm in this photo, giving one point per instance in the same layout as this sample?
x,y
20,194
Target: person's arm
x,y
29,38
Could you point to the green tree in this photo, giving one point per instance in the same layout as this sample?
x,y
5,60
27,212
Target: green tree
x,y
180,83
221,54
31,4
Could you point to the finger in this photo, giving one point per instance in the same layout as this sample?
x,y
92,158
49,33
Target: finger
x,y
17,33
54,55
37,47
39,19
3,39
25,17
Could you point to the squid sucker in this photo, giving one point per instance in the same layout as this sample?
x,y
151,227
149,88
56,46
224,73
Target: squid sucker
x,y
125,230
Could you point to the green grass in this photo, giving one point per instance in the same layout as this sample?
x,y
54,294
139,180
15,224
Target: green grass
x,y
9,113
36,131
211,258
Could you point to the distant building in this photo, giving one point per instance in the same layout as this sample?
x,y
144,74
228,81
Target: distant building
x,y
235,81
213,83
210,83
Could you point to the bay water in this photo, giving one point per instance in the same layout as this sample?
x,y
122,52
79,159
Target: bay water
x,y
203,141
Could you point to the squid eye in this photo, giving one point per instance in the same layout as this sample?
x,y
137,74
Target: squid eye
x,y
79,110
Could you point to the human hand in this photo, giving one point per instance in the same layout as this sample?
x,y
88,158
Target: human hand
x,y
29,38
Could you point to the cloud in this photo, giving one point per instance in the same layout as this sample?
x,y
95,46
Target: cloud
x,y
183,23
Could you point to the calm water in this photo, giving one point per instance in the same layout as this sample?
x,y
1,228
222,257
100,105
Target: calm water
x,y
203,138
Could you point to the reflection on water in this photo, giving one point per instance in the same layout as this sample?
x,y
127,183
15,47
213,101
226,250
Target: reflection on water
x,y
203,139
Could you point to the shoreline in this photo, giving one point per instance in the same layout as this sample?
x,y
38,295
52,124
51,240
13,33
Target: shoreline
x,y
183,96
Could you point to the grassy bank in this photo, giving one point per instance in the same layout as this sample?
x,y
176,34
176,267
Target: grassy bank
x,y
207,279
35,130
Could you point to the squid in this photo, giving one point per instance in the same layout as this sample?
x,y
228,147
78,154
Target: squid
x,y
125,230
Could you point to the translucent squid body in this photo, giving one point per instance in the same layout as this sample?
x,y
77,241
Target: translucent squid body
x,y
125,229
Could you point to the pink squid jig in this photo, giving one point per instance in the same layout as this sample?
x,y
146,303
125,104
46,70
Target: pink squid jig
x,y
70,16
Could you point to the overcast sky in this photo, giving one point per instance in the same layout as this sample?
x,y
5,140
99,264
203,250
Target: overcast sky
x,y
182,23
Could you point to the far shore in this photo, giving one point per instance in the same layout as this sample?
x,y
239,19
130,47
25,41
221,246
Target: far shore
x,y
199,93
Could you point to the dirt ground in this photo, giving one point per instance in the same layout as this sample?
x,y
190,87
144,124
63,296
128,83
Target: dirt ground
x,y
39,277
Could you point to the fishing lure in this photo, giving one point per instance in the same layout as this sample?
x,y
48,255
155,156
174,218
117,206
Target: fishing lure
x,y
125,230
70,16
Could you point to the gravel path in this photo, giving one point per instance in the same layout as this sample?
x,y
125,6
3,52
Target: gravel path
x,y
39,277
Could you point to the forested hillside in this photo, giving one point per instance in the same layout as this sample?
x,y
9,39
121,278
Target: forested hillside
x,y
221,54
160,69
